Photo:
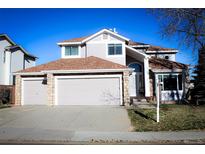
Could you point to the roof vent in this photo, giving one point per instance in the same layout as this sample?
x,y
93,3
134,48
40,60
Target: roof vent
x,y
113,30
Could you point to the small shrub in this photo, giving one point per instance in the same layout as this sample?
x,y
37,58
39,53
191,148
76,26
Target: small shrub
x,y
4,96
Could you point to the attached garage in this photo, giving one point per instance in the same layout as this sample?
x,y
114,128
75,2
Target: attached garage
x,y
78,81
34,91
88,90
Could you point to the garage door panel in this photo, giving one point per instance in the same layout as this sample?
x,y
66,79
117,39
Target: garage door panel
x,y
34,92
88,91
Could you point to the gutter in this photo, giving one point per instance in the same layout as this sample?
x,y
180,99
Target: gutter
x,y
69,43
162,51
86,71
73,71
29,73
139,46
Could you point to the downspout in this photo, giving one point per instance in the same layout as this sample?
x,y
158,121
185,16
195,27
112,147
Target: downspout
x,y
8,69
10,74
86,54
146,77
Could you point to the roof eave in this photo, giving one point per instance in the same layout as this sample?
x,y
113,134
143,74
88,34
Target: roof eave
x,y
73,71
162,51
68,43
139,46
131,48
8,39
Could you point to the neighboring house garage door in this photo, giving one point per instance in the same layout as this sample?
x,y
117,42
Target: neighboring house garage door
x,y
88,90
34,92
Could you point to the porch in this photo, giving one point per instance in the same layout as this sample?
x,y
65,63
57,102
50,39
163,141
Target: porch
x,y
139,87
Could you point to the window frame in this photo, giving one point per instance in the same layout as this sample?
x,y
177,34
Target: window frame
x,y
71,56
115,44
162,81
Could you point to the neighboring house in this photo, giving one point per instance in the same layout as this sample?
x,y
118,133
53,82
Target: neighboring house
x,y
102,69
12,59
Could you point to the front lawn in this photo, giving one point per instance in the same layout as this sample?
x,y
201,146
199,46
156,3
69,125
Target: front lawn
x,y
172,117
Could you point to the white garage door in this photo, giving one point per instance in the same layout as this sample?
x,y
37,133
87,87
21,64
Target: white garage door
x,y
34,92
88,90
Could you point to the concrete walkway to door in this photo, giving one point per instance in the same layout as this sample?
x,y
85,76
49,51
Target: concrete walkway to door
x,y
64,118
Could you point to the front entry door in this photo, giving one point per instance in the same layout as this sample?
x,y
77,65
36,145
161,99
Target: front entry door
x,y
136,79
135,82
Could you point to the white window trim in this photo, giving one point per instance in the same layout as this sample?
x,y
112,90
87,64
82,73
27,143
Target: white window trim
x,y
116,42
72,56
177,74
87,76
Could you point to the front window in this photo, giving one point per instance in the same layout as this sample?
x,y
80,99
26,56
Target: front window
x,y
170,82
71,51
137,67
114,49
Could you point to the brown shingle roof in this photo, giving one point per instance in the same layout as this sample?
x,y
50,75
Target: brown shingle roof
x,y
151,47
75,64
75,39
132,43
159,63
158,48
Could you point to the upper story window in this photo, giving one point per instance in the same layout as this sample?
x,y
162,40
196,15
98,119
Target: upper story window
x,y
71,51
114,49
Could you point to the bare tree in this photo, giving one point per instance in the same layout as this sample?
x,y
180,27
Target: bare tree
x,y
188,27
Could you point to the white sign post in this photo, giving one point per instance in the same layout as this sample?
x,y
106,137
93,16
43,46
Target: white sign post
x,y
158,100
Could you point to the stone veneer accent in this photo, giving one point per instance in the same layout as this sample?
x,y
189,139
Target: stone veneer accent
x,y
18,90
51,89
126,96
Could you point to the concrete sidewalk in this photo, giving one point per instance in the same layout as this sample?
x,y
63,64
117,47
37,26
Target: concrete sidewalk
x,y
20,136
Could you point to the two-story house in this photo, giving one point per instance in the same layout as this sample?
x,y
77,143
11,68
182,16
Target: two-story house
x,y
105,68
12,59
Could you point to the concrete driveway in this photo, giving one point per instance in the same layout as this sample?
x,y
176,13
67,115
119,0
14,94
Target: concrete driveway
x,y
42,120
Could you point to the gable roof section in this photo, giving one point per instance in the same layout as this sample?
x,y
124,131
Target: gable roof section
x,y
14,45
159,63
8,38
136,51
87,38
107,31
75,64
22,49
133,43
80,39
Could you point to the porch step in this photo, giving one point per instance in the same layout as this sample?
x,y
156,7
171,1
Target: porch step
x,y
140,100
144,106
141,103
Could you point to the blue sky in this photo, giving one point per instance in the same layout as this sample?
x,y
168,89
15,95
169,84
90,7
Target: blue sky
x,y
38,30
